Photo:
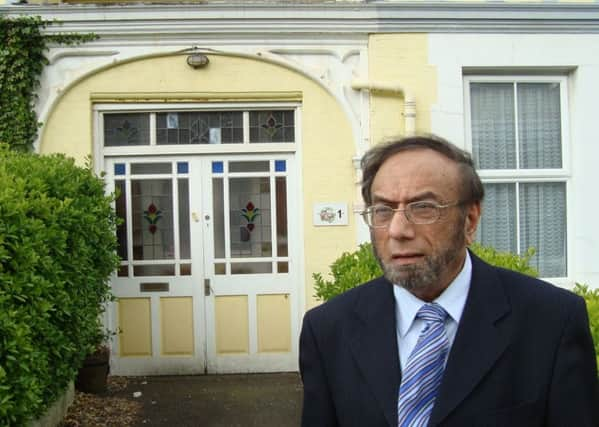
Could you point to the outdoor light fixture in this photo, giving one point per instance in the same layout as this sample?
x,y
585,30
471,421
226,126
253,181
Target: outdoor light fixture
x,y
197,60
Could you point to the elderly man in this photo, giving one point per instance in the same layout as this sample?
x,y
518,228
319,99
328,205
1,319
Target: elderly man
x,y
443,339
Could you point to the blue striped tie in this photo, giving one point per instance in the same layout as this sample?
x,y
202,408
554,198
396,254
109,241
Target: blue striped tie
x,y
422,377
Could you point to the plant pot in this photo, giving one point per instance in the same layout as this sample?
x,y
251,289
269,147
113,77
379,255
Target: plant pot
x,y
93,375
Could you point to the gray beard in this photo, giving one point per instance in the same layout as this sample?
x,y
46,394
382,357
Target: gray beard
x,y
415,278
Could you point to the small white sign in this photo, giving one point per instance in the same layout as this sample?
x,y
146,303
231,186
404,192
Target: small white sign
x,y
330,214
215,136
172,121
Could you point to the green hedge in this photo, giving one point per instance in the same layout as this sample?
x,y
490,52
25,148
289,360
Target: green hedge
x,y
57,251
591,297
353,268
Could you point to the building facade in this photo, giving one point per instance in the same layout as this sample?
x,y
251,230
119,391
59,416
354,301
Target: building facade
x,y
232,133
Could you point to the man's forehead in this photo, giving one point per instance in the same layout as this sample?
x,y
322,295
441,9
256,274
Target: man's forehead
x,y
416,174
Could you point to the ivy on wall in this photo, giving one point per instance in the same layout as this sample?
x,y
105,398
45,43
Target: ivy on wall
x,y
22,60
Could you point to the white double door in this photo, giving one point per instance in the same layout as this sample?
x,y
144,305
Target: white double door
x,y
209,279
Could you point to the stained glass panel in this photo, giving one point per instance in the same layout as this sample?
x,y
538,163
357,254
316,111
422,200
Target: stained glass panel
x,y
199,127
272,126
152,206
124,129
250,217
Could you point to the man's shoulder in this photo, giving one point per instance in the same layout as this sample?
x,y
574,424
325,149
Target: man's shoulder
x,y
523,288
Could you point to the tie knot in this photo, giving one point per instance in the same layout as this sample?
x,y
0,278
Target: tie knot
x,y
432,312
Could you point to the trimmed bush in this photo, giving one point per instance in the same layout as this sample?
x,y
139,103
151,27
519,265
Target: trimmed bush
x,y
57,251
591,296
354,268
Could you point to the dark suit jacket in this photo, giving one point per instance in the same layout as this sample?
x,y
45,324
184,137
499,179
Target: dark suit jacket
x,y
522,356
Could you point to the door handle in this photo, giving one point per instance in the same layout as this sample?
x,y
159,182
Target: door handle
x,y
207,287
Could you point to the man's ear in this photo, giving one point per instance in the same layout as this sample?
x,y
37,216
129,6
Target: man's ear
x,y
471,222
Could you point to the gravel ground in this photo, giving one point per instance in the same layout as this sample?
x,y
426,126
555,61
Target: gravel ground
x,y
116,407
234,400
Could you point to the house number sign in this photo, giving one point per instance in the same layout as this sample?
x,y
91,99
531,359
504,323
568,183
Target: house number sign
x,y
330,214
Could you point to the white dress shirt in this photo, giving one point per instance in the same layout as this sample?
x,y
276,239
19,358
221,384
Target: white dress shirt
x,y
407,305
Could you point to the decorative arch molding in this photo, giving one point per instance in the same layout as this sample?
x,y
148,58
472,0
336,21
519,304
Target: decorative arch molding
x,y
331,69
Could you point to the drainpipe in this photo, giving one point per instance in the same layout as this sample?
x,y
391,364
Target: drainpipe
x,y
409,101
409,126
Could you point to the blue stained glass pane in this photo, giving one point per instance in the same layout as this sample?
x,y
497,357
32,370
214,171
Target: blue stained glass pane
x,y
217,167
182,167
119,169
280,166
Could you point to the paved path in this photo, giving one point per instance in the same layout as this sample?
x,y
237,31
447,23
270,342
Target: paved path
x,y
263,400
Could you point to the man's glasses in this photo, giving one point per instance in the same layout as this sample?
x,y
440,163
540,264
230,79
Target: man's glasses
x,y
380,216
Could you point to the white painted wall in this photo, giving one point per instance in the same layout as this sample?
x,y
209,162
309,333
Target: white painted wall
x,y
579,53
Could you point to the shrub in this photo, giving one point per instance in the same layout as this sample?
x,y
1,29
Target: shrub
x,y
57,251
353,268
348,271
591,296
520,263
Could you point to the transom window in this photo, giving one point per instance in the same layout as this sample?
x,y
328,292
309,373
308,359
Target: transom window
x,y
188,127
517,130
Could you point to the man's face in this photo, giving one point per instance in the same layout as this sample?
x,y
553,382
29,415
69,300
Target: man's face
x,y
423,258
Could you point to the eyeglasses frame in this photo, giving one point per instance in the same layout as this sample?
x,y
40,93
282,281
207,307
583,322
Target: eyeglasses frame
x,y
405,210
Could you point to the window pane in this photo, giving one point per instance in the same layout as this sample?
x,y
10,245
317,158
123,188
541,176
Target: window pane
x,y
539,125
249,204
281,187
493,125
218,217
498,226
194,127
121,212
154,270
152,206
124,129
185,269
184,236
251,267
543,226
260,166
272,126
150,168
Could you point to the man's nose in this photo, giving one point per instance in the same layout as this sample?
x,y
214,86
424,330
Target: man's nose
x,y
399,227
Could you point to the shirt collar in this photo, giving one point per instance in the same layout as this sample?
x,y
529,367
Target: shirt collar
x,y
453,299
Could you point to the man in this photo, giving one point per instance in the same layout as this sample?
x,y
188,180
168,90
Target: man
x,y
443,339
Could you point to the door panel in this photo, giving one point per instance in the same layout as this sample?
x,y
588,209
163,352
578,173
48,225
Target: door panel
x,y
249,262
160,309
209,279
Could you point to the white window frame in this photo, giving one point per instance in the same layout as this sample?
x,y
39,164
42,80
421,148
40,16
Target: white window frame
x,y
101,152
512,176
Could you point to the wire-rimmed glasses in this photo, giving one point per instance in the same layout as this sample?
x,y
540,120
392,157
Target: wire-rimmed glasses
x,y
380,216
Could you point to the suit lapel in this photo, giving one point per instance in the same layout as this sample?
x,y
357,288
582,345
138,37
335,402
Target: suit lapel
x,y
372,339
482,336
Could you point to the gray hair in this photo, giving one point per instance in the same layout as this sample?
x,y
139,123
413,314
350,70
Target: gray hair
x,y
472,187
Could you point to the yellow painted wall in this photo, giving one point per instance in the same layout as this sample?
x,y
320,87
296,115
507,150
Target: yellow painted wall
x,y
401,59
327,144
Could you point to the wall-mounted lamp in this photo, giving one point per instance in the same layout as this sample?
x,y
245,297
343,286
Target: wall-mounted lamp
x,y
197,60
